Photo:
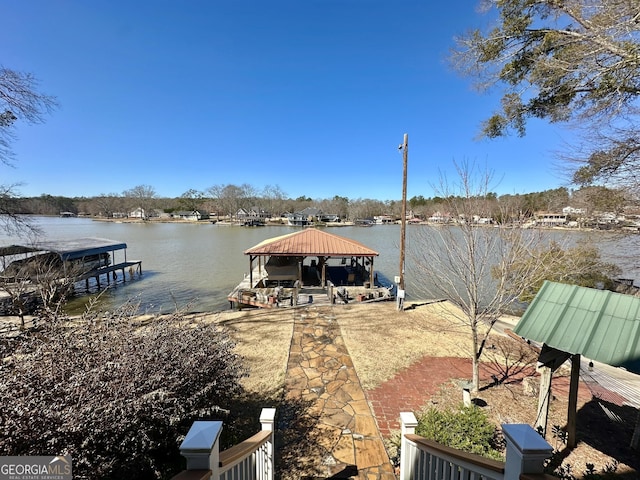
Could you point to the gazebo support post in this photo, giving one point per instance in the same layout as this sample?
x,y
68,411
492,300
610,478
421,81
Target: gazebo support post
x,y
371,276
543,400
551,359
635,439
573,401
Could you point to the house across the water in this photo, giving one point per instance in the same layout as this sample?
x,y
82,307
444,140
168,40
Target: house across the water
x,y
310,265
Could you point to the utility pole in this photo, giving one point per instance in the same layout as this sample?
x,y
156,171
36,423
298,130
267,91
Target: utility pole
x,y
403,221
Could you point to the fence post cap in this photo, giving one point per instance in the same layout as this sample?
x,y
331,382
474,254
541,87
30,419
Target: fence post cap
x,y
525,438
201,436
267,414
408,419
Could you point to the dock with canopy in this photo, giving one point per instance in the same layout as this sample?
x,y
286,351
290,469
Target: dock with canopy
x,y
78,259
308,258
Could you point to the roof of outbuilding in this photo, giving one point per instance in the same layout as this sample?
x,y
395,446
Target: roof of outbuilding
x,y
68,249
599,324
311,242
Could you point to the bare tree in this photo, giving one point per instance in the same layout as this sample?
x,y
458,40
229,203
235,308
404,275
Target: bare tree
x,y
141,196
10,219
107,205
20,101
39,282
457,260
274,196
232,198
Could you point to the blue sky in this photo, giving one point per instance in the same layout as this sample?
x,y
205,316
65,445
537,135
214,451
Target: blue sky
x,y
313,96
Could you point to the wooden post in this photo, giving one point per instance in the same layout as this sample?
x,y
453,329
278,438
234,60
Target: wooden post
x,y
635,439
403,220
573,401
544,397
372,277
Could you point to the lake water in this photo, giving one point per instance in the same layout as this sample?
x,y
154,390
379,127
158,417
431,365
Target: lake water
x,y
199,264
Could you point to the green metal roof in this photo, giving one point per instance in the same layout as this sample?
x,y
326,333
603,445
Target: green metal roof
x,y
598,324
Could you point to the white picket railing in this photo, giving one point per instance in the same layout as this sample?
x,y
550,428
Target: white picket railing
x,y
422,459
252,459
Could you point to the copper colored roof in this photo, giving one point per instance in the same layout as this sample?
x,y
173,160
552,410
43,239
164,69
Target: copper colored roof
x,y
311,242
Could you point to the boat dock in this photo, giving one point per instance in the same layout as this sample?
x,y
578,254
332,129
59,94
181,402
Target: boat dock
x,y
67,261
309,266
284,294
111,273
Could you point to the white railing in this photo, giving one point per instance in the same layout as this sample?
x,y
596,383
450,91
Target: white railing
x,y
422,459
252,459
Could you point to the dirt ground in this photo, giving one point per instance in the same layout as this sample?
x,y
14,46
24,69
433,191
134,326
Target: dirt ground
x,y
383,342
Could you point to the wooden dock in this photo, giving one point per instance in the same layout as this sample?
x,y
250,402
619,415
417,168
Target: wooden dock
x,y
253,294
110,272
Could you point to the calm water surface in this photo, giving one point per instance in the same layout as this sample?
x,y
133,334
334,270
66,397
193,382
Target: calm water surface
x,y
199,264
194,264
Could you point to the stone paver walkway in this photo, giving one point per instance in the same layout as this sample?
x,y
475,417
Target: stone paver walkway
x,y
320,371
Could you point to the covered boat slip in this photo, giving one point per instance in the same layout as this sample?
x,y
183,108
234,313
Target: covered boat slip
x,y
311,262
78,259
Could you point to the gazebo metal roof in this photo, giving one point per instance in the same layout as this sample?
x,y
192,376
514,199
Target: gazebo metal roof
x,y
311,242
67,249
598,324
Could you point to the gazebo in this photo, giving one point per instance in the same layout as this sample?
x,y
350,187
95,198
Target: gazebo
x,y
571,321
283,257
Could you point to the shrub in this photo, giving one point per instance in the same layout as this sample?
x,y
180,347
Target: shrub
x,y
114,392
467,429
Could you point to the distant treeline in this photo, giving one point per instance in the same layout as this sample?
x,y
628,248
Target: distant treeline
x,y
229,199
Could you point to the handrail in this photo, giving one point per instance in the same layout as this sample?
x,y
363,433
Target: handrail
x,y
472,458
526,453
237,453
537,476
193,475
251,459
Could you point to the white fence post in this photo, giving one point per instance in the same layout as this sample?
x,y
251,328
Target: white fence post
x,y
408,424
267,419
201,447
526,451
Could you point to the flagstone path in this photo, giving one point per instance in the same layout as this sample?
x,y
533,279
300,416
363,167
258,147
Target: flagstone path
x,y
321,372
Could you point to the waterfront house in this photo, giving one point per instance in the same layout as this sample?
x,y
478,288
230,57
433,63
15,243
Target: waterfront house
x,y
253,213
297,219
193,215
137,213
549,219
